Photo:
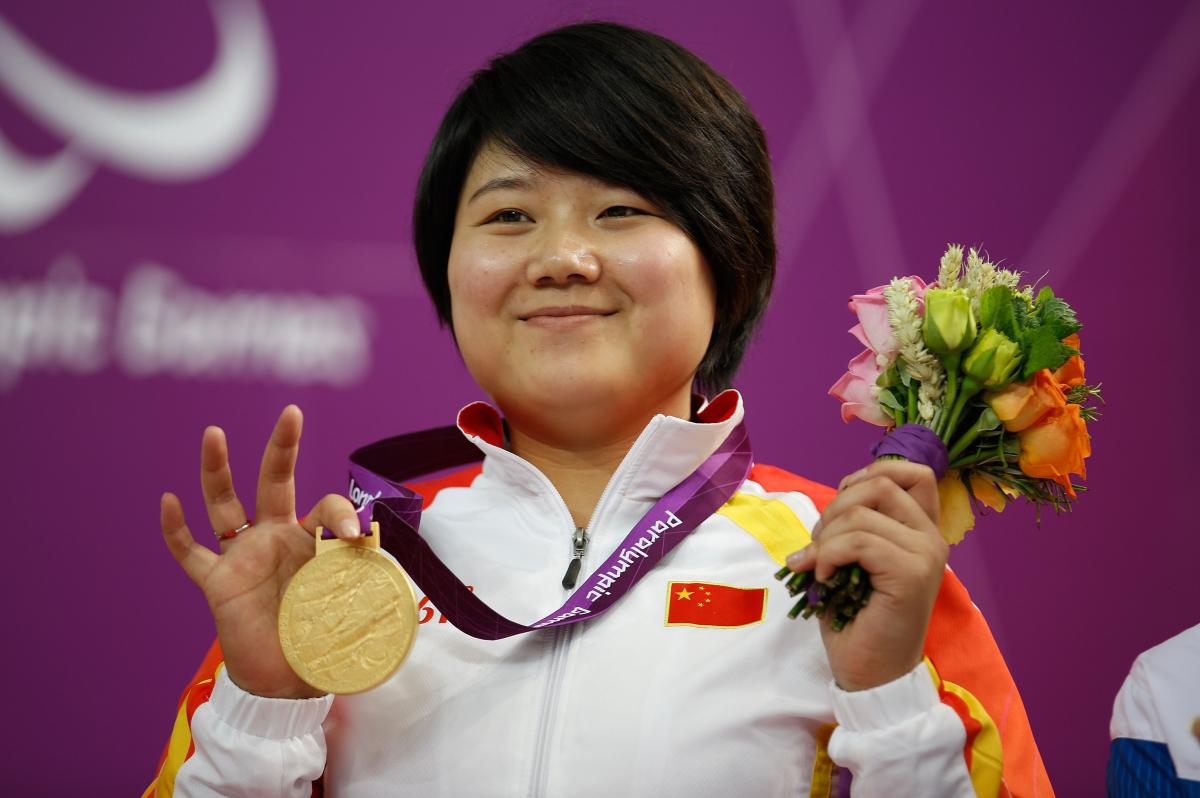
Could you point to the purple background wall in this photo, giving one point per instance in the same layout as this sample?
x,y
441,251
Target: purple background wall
x,y
1059,136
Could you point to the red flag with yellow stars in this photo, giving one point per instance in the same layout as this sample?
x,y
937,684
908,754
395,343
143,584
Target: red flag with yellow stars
x,y
708,604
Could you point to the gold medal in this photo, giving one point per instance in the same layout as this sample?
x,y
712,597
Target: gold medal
x,y
348,617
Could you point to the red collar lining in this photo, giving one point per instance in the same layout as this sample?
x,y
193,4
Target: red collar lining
x,y
481,420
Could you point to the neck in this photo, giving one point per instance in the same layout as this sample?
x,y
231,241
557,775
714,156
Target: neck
x,y
578,461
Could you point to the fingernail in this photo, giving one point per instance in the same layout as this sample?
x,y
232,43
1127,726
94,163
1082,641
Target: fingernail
x,y
855,477
349,528
796,557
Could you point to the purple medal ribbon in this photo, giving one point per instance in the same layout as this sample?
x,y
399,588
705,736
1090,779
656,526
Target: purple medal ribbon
x,y
376,472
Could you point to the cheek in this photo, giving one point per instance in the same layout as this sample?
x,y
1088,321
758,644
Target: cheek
x,y
478,280
671,282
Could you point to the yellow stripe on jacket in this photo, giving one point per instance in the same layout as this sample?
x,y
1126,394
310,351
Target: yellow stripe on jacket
x,y
983,739
179,746
771,521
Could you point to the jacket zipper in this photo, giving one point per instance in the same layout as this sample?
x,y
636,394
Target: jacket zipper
x,y
563,635
579,546
558,660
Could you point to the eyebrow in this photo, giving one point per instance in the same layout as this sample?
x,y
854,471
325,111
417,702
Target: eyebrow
x,y
499,183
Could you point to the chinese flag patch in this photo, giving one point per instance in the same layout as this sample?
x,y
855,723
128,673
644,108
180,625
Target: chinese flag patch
x,y
707,604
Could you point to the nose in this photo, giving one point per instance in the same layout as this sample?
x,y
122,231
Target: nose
x,y
562,257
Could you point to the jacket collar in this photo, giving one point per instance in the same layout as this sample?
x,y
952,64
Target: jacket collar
x,y
667,450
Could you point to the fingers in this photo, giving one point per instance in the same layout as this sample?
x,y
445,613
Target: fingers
x,y
872,552
855,529
894,501
195,559
225,510
865,519
335,513
879,494
892,486
276,498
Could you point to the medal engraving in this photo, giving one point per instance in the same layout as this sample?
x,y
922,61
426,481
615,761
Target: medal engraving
x,y
348,617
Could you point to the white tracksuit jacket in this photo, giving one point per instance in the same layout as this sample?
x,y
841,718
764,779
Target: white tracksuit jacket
x,y
619,705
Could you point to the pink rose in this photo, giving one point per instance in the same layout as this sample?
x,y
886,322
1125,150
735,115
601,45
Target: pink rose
x,y
856,387
855,391
874,330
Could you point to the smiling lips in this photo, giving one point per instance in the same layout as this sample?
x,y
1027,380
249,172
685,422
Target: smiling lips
x,y
564,316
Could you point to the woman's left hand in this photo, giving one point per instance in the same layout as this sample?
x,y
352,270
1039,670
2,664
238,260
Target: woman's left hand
x,y
885,518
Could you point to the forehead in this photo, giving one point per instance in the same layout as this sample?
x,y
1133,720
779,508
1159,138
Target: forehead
x,y
497,167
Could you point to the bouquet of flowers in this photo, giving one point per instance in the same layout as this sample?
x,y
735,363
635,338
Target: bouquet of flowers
x,y
991,369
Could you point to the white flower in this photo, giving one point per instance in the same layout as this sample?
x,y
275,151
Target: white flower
x,y
914,357
951,266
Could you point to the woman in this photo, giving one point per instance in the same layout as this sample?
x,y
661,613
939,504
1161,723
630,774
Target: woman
x,y
595,223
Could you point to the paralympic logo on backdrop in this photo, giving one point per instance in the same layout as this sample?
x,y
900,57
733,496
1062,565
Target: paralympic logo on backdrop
x,y
179,135
159,324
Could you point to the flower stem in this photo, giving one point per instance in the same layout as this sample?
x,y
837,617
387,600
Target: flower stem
x,y
969,388
978,457
838,599
966,440
951,361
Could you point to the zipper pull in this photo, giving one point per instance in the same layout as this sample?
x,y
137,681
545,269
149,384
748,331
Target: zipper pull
x,y
579,541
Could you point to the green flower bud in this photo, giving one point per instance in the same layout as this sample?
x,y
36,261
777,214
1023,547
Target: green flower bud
x,y
993,360
949,323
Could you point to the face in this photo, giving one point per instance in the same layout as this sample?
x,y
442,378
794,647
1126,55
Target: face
x,y
568,292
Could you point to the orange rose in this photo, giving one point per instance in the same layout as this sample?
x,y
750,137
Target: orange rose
x,y
1020,405
1056,447
1070,374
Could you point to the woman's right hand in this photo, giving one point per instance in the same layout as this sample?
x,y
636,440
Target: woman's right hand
x,y
244,583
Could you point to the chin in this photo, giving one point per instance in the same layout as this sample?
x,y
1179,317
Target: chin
x,y
574,385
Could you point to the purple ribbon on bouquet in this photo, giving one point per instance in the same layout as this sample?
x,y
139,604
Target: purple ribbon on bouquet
x,y
915,443
376,472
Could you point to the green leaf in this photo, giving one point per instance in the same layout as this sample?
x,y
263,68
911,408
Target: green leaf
x,y
1056,314
1043,350
889,400
996,311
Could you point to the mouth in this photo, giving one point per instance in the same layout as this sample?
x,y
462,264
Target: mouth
x,y
565,314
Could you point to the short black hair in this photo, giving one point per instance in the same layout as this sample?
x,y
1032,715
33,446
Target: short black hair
x,y
633,109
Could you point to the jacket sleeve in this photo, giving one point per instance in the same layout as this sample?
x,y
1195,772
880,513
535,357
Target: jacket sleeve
x,y
229,742
961,704
953,726
899,739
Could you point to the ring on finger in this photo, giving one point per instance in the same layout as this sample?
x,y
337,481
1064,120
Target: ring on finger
x,y
230,534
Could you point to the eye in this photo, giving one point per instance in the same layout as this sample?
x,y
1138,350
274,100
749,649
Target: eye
x,y
509,216
620,212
